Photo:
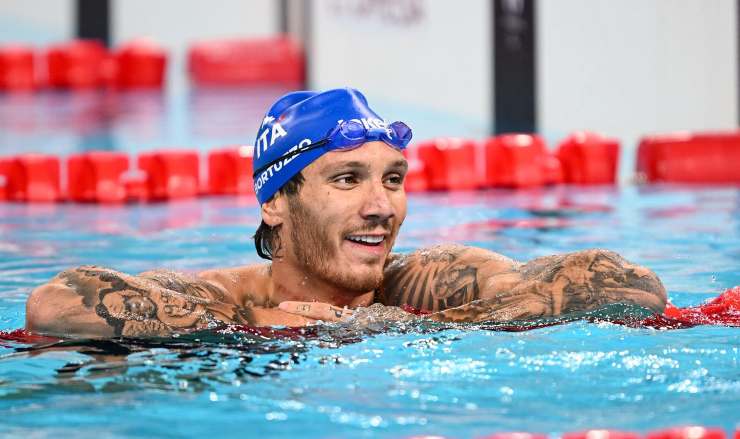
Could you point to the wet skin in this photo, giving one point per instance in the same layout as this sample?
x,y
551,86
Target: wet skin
x,y
333,255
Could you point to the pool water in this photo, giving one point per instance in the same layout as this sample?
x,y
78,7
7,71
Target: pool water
x,y
338,381
455,381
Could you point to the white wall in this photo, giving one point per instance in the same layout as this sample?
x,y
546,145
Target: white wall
x,y
36,22
176,23
631,67
425,61
622,67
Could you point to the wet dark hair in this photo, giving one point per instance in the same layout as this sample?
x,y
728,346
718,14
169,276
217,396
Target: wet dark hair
x,y
266,237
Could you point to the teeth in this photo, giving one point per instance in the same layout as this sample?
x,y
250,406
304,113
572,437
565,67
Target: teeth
x,y
366,239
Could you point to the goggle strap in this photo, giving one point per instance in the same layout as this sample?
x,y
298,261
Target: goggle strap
x,y
306,148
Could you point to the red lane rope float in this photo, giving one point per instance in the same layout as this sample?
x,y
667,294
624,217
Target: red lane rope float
x,y
277,60
171,174
230,171
83,64
140,64
589,158
17,68
96,177
689,158
77,64
687,432
5,168
515,435
32,177
722,310
601,434
26,337
449,163
508,161
515,160
520,160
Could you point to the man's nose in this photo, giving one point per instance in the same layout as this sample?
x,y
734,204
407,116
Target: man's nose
x,y
377,204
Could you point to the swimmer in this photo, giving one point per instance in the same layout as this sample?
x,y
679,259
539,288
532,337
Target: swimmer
x,y
329,176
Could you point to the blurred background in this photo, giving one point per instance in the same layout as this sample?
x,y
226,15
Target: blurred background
x,y
623,68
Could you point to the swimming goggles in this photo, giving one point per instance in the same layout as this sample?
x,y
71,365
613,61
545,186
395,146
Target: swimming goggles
x,y
350,134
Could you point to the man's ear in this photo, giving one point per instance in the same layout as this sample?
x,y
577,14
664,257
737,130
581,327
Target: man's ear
x,y
275,210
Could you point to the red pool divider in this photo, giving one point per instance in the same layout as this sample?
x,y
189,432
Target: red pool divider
x,y
515,435
140,64
722,310
4,177
601,434
83,64
517,160
32,177
689,158
17,68
230,171
78,64
171,174
275,60
449,163
510,160
26,337
96,177
588,158
687,432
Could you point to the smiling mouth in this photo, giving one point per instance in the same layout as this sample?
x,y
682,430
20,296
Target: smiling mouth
x,y
368,240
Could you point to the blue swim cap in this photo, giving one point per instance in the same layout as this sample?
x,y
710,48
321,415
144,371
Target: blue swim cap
x,y
299,119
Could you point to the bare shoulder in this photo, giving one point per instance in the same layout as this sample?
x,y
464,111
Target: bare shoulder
x,y
245,284
99,302
440,277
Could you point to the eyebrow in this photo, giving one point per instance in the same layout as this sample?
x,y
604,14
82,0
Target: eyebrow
x,y
351,165
400,164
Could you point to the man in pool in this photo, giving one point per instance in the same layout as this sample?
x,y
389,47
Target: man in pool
x,y
329,179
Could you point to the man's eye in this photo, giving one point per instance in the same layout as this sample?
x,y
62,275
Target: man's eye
x,y
394,179
345,179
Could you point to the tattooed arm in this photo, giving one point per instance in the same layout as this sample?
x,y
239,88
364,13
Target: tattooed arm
x,y
470,284
96,302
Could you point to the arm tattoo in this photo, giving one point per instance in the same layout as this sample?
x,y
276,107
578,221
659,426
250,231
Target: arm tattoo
x,y
432,279
557,285
157,303
609,279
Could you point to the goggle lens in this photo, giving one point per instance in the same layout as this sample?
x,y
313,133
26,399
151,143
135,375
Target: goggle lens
x,y
350,133
402,132
352,130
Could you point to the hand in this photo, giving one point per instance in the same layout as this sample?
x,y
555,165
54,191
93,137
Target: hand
x,y
517,304
366,317
317,310
277,317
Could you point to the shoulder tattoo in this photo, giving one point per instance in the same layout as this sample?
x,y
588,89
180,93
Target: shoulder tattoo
x,y
156,304
431,280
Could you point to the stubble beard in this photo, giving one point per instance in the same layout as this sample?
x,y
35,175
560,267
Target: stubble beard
x,y
317,257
